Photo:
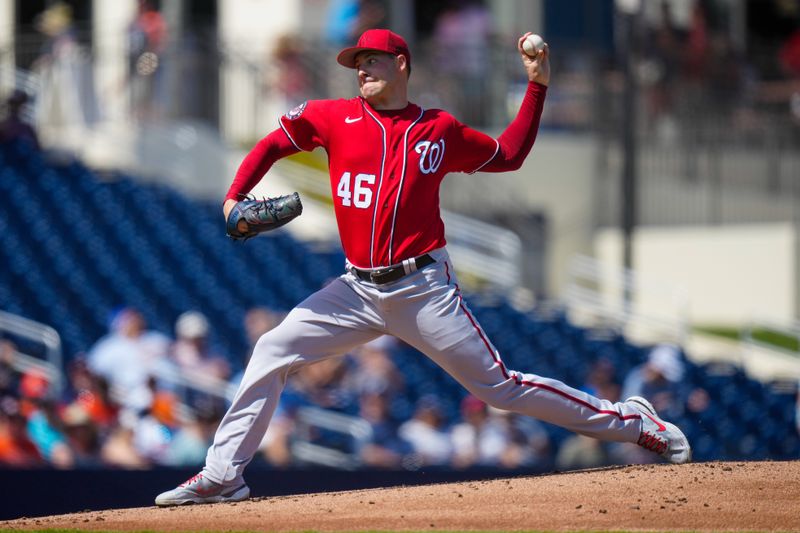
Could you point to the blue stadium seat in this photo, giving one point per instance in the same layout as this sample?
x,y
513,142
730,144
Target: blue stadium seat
x,y
93,242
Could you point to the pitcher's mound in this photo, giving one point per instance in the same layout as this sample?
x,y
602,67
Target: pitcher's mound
x,y
736,496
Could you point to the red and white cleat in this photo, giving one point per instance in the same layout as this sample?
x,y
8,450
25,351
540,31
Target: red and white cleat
x,y
660,436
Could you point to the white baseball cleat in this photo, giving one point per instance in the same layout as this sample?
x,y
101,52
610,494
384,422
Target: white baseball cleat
x,y
659,436
198,489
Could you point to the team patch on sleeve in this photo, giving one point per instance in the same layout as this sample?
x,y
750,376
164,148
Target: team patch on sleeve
x,y
295,112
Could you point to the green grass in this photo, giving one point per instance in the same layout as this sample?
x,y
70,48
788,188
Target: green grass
x,y
777,338
771,337
719,331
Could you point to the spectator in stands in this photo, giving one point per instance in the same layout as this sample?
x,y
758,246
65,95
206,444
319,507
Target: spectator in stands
x,y
147,39
480,439
462,38
789,55
14,125
192,438
43,422
322,385
288,75
374,368
789,58
579,451
530,443
341,21
165,406
385,449
17,450
8,381
658,380
601,381
427,434
91,392
698,43
660,69
67,98
82,434
257,321
128,356
347,19
153,431
118,449
727,73
191,350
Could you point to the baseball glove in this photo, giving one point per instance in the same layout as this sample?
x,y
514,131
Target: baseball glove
x,y
251,217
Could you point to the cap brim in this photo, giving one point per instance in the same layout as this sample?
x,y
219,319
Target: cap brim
x,y
347,57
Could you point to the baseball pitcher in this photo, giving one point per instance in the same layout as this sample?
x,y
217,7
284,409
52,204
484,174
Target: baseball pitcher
x,y
387,159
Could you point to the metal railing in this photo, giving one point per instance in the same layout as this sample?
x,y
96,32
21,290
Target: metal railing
x,y
312,419
14,78
197,381
308,421
729,180
601,297
490,253
26,330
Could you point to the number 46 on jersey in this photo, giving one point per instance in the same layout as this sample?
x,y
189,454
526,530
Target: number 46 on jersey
x,y
355,191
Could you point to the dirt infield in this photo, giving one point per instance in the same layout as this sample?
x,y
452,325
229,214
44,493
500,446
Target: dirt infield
x,y
742,496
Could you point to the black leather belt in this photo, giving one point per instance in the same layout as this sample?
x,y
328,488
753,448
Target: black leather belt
x,y
388,275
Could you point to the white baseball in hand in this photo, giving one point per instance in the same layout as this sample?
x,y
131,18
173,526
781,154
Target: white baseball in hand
x,y
533,44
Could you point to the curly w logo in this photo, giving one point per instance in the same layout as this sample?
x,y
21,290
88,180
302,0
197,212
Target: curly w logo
x,y
431,155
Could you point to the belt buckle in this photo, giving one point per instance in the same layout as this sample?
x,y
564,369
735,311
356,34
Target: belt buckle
x,y
375,275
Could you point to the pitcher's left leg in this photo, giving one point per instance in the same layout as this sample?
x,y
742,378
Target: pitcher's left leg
x,y
446,331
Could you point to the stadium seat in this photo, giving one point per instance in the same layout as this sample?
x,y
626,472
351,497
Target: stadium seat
x,y
94,242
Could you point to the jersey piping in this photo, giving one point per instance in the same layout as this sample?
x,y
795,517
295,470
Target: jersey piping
x,y
280,123
378,194
402,179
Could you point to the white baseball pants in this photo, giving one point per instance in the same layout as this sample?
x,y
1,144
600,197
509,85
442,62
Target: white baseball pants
x,y
426,310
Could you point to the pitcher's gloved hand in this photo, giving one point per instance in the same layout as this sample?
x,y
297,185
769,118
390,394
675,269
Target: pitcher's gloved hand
x,y
251,217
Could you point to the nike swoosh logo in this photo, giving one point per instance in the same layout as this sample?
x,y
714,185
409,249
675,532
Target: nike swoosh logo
x,y
205,492
349,120
661,427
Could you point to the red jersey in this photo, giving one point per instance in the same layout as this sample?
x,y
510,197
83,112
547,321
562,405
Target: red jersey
x,y
386,168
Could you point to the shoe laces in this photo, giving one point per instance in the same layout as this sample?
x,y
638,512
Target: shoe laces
x,y
194,479
652,442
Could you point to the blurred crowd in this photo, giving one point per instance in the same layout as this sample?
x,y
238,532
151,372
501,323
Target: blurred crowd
x,y
688,61
140,399
690,67
118,405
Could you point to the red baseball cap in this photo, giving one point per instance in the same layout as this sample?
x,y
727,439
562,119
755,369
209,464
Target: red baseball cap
x,y
377,40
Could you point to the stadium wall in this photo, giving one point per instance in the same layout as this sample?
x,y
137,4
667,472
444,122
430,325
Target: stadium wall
x,y
49,492
732,273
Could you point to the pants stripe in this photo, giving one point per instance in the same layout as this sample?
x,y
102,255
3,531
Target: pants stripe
x,y
507,375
